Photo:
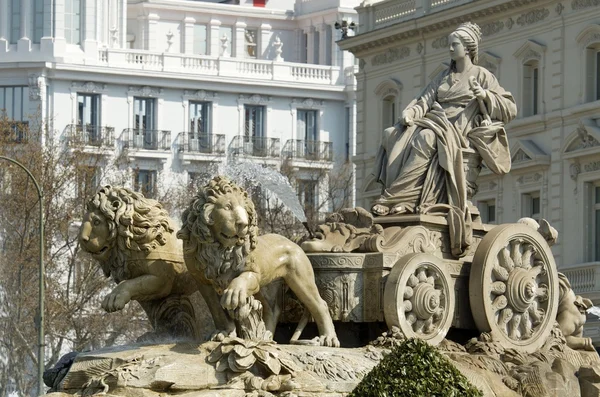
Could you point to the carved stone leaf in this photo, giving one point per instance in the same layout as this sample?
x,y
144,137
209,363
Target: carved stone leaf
x,y
215,355
241,351
223,364
241,364
289,365
271,363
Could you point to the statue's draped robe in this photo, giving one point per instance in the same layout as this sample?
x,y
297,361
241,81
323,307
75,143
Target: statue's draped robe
x,y
422,165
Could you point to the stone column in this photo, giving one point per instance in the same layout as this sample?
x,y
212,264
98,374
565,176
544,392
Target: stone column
x,y
152,32
310,45
24,43
188,35
214,41
335,49
239,40
123,24
4,34
262,47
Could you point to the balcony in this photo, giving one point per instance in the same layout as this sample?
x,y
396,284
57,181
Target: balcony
x,y
16,132
203,147
301,149
153,144
92,136
256,146
390,12
208,65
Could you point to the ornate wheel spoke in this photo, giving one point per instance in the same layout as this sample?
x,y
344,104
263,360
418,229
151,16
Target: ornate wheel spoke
x,y
514,324
430,280
500,273
505,260
499,303
504,317
542,293
526,325
408,292
498,288
412,281
421,275
407,306
515,252
527,256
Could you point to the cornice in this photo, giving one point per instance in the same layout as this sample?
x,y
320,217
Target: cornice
x,y
406,30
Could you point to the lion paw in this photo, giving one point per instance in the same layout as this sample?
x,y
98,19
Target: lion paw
x,y
220,335
329,340
116,300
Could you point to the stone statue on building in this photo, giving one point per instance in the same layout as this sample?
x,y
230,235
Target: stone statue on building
x,y
433,154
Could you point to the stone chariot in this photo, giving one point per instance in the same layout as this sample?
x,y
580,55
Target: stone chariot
x,y
400,269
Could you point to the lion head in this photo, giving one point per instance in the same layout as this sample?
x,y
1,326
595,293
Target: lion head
x,y
120,222
219,227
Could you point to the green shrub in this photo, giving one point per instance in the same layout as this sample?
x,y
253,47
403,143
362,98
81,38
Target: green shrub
x,y
415,369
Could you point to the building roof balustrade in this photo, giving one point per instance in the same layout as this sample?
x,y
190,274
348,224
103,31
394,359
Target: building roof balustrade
x,y
390,12
241,68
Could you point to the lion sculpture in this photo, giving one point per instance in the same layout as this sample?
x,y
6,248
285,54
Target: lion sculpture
x,y
133,240
222,250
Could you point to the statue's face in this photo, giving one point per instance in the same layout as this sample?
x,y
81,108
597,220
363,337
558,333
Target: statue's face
x,y
230,220
456,47
94,235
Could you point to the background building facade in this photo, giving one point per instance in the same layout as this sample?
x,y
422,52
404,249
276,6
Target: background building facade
x,y
174,86
547,54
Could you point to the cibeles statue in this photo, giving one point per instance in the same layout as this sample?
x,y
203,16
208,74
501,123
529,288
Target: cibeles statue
x,y
457,120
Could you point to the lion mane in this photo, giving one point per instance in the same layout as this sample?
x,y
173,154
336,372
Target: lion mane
x,y
136,224
211,257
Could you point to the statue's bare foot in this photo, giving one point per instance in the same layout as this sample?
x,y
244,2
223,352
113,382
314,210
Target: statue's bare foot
x,y
380,209
398,209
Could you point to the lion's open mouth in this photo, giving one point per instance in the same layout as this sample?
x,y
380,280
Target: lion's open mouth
x,y
238,239
101,252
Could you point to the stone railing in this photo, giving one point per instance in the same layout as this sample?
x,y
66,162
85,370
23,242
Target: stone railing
x,y
303,7
584,277
221,66
308,150
389,12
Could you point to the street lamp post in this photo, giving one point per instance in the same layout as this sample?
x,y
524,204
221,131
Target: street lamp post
x,y
40,316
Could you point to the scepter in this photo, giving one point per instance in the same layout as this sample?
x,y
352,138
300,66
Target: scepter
x,y
487,120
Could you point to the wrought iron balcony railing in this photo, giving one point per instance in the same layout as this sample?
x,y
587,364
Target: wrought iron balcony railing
x,y
90,135
146,139
308,150
17,132
190,142
256,146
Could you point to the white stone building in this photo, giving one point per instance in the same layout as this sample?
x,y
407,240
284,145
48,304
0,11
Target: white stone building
x,y
173,85
547,53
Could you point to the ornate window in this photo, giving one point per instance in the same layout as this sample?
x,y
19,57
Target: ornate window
x,y
531,205
145,182
530,56
250,42
389,93
73,19
487,209
589,40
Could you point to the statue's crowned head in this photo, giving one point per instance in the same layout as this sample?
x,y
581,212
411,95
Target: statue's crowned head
x,y
470,35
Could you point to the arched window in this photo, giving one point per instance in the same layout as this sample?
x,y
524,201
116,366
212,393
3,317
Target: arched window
x,y
388,94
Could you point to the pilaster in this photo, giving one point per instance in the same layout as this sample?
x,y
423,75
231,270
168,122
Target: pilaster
x,y
4,35
323,44
90,40
188,35
239,40
152,32
46,42
263,43
310,45
60,44
24,43
214,41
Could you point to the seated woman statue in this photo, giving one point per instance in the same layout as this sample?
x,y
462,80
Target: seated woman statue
x,y
420,161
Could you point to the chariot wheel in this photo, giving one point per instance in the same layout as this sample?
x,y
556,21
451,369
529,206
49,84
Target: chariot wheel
x,y
419,298
513,287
